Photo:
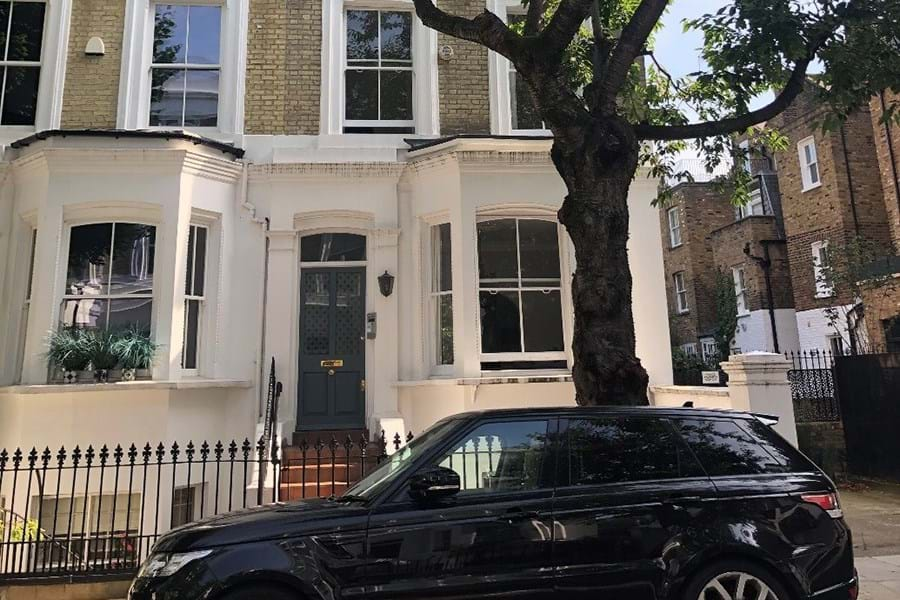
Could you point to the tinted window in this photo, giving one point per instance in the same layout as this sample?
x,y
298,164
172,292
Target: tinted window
x,y
724,448
611,450
503,456
778,447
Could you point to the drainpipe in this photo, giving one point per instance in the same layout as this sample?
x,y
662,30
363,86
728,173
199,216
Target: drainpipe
x,y
849,180
891,154
765,261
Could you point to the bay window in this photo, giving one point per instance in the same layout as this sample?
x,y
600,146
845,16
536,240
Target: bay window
x,y
442,294
378,74
109,276
21,38
185,71
194,296
520,293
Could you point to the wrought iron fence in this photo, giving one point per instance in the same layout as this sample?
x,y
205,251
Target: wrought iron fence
x,y
99,511
812,386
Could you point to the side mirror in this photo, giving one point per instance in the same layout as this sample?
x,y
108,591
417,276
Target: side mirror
x,y
435,483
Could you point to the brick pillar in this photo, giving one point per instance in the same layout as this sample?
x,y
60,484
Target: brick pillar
x,y
757,382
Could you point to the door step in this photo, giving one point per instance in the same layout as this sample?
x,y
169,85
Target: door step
x,y
319,464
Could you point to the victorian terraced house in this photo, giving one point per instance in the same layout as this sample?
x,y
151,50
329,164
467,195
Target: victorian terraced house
x,y
325,183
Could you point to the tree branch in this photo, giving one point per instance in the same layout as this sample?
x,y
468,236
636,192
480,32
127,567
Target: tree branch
x,y
563,26
630,46
734,124
486,29
534,16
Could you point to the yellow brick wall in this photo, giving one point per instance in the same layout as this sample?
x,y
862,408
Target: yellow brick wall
x,y
91,91
463,81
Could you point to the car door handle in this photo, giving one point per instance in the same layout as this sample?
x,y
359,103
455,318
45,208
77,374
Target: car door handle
x,y
515,515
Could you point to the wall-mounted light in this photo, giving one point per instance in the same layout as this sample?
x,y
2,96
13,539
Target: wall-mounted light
x,y
386,284
95,47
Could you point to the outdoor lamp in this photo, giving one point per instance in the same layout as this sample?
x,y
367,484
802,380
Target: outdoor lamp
x,y
386,284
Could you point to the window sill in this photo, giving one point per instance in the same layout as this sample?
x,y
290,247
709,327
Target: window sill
x,y
674,246
126,386
811,187
745,313
684,312
824,295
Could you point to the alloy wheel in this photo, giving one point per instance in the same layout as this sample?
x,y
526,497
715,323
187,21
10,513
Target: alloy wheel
x,y
737,586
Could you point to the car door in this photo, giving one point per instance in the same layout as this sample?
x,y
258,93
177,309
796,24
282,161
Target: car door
x,y
628,497
493,538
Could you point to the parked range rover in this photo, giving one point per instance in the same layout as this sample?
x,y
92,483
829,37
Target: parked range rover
x,y
606,504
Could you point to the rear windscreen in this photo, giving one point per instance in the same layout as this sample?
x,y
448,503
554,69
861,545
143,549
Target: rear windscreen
x,y
740,447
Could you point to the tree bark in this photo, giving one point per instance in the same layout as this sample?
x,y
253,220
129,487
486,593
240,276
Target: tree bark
x,y
598,161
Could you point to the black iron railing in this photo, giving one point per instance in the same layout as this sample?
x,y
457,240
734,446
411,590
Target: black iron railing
x,y
812,386
84,512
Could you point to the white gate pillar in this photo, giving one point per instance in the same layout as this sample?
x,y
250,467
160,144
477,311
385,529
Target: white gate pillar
x,y
758,382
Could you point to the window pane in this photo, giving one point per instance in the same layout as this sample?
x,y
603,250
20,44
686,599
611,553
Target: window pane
x,y
539,253
201,99
132,267
89,254
332,247
83,313
524,112
445,329
167,97
27,31
200,263
814,173
497,262
203,43
775,445
542,319
128,313
4,25
501,457
191,334
362,95
723,448
170,33
362,34
442,273
396,95
20,102
396,36
619,450
189,270
500,330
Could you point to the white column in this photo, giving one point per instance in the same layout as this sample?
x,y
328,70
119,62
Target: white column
x,y
382,367
758,383
282,317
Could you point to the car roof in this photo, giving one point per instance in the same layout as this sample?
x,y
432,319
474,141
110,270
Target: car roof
x,y
654,411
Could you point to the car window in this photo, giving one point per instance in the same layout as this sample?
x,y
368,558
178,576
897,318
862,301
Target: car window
x,y
625,449
501,456
778,447
724,448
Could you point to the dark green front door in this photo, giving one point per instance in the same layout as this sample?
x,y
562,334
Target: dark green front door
x,y
332,389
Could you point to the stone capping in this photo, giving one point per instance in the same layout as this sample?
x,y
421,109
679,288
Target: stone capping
x,y
127,386
328,170
694,390
757,368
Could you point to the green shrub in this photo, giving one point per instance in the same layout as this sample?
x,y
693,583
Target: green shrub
x,y
69,348
101,344
134,348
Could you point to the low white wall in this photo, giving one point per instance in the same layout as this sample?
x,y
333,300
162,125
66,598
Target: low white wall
x,y
702,397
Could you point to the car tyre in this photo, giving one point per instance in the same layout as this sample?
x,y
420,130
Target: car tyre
x,y
261,592
736,580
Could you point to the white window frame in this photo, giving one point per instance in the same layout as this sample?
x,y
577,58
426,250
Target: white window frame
x,y
334,51
689,348
186,66
434,299
152,296
499,68
501,357
201,300
681,303
745,156
20,63
819,250
740,291
806,166
755,207
135,82
674,219
709,348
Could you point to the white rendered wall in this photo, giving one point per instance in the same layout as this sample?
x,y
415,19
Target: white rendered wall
x,y
754,331
814,328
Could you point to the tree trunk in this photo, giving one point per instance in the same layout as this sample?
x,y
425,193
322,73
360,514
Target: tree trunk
x,y
597,163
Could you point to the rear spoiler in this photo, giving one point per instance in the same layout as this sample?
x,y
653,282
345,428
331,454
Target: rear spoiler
x,y
764,418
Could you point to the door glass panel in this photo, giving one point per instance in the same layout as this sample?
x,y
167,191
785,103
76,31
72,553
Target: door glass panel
x,y
621,450
332,247
500,457
316,303
348,314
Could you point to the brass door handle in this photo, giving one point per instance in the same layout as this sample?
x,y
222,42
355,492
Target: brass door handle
x,y
331,371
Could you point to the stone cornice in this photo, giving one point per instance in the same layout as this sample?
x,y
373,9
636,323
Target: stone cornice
x,y
295,171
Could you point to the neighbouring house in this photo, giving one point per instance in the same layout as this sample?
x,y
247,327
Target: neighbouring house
x,y
329,185
824,208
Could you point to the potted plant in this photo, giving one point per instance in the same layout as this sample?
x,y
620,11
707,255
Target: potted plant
x,y
135,351
101,343
68,351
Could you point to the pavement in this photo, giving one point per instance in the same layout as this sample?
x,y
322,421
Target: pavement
x,y
872,509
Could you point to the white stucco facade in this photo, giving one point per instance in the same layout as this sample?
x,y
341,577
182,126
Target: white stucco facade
x,y
754,331
256,213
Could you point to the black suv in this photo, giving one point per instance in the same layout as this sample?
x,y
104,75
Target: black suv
x,y
605,503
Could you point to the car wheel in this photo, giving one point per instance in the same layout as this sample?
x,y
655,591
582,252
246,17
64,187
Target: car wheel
x,y
736,580
261,592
